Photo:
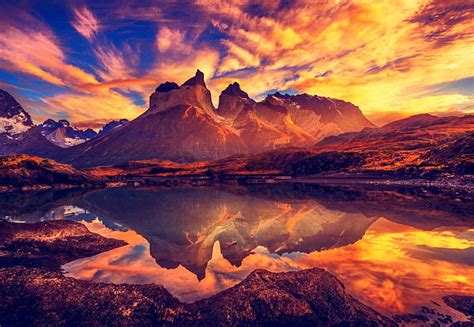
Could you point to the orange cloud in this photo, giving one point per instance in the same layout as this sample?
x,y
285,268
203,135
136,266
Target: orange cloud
x,y
105,105
376,55
37,52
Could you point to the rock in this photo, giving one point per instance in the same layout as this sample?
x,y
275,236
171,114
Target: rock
x,y
198,79
166,87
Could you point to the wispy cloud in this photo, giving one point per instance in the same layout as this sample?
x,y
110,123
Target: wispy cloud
x,y
85,22
115,63
31,47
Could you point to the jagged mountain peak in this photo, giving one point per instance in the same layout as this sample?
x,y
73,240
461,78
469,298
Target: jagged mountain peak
x,y
197,79
9,107
112,125
51,123
169,95
62,134
235,90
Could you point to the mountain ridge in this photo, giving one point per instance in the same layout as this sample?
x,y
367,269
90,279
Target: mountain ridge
x,y
182,124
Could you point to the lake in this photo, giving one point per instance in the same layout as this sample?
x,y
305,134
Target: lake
x,y
394,249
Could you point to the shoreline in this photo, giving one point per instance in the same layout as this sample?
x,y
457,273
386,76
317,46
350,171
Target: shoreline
x,y
465,183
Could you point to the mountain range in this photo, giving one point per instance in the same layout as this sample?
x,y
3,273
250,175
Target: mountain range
x,y
285,134
18,131
182,125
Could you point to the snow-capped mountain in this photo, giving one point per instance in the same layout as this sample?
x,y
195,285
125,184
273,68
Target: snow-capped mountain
x,y
13,118
18,134
62,134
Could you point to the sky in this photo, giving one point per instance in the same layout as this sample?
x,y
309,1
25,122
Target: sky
x,y
94,61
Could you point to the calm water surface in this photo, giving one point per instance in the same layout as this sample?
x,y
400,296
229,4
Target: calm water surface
x,y
394,249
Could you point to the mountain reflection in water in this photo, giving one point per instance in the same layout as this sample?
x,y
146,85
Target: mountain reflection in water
x,y
393,249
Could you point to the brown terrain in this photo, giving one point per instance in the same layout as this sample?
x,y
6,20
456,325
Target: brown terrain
x,y
25,172
436,147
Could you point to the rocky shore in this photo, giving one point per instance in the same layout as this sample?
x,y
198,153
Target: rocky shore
x,y
34,291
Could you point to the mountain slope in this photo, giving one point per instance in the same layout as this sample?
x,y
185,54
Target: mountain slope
x,y
445,145
413,146
180,133
13,118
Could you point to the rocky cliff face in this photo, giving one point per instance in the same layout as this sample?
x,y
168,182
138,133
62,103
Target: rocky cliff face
x,y
193,93
180,125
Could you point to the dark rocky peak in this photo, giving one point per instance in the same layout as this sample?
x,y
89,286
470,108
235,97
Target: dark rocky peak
x,y
49,123
9,108
198,79
187,94
167,86
64,122
114,124
274,100
52,124
235,90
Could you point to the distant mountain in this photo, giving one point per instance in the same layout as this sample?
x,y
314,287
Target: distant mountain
x,y
112,125
19,135
13,118
62,134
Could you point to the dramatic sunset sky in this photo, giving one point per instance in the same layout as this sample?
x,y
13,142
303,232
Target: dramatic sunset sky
x,y
94,61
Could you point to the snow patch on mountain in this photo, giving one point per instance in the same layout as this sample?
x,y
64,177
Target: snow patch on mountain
x,y
14,125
